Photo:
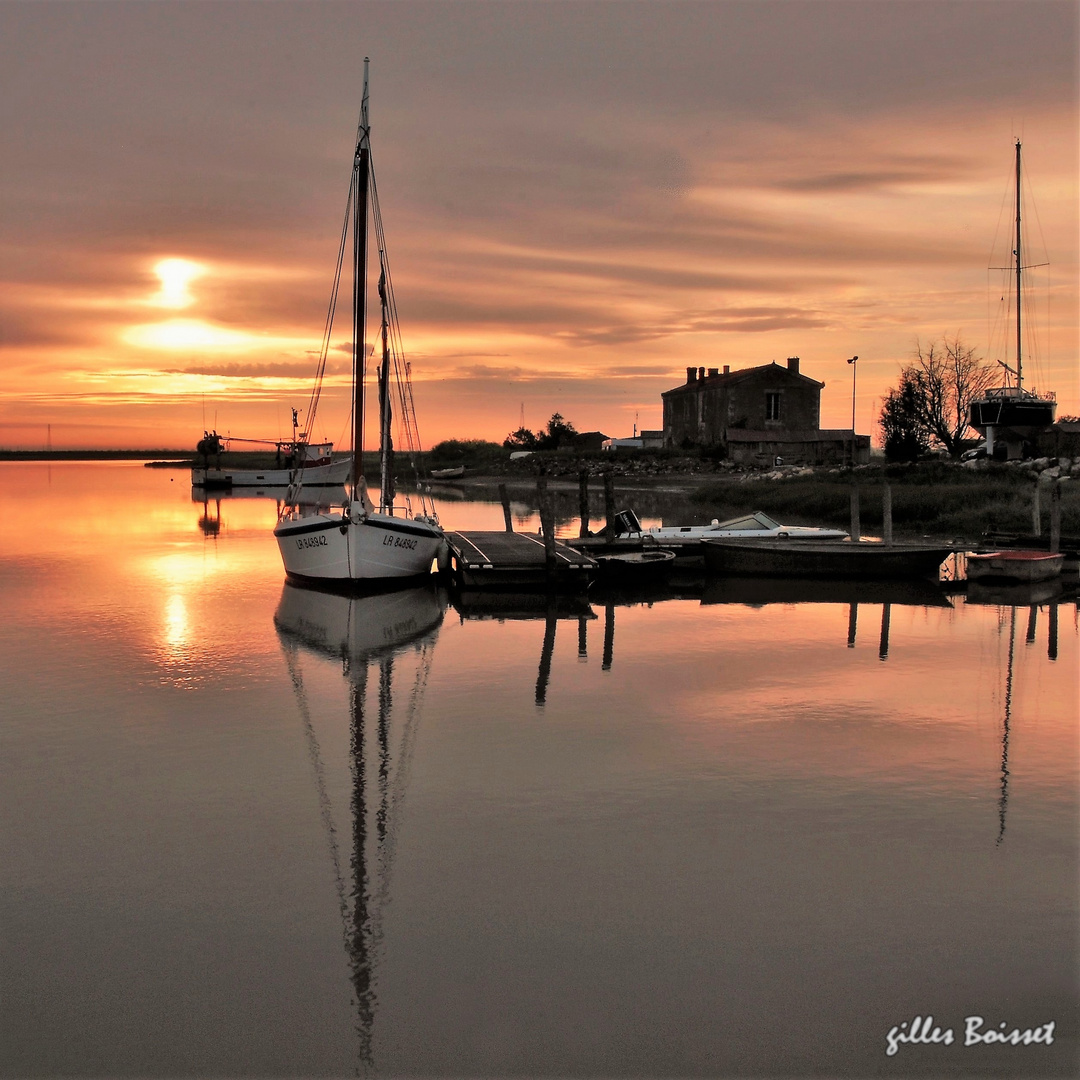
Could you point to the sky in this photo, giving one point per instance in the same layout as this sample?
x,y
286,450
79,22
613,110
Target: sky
x,y
580,199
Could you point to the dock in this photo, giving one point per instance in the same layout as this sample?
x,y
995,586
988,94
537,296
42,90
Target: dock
x,y
516,560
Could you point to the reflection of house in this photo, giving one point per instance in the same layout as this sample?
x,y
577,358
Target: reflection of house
x,y
757,414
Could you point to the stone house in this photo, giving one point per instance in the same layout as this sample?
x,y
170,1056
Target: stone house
x,y
756,415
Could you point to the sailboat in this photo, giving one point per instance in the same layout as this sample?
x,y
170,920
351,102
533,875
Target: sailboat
x,y
364,544
1010,415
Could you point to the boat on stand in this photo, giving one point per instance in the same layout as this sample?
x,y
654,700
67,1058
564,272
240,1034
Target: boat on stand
x,y
363,544
1009,416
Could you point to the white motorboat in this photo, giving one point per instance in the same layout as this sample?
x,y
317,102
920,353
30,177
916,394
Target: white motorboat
x,y
756,526
361,544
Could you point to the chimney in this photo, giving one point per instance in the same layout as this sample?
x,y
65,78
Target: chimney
x,y
701,373
713,371
691,375
727,369
793,365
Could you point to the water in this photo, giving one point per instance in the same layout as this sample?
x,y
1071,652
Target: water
x,y
251,830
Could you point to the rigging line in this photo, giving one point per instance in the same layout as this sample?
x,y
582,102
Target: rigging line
x,y
328,326
315,756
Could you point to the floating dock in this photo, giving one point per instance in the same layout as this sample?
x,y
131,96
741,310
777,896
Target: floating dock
x,y
515,560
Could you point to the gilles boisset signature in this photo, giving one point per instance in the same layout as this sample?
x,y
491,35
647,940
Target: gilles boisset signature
x,y
922,1030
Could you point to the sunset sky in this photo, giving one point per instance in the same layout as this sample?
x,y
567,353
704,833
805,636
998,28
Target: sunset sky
x,y
581,200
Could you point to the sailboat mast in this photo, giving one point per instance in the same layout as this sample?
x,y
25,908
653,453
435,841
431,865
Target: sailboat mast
x,y
361,172
1019,367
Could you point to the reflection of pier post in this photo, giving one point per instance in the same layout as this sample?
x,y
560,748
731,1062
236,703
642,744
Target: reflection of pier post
x,y
550,622
582,637
359,951
1033,611
386,676
852,624
1051,647
883,645
609,636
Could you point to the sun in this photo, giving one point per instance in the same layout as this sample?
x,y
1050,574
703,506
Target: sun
x,y
175,274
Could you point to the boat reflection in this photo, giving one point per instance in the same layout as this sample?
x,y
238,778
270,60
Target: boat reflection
x,y
313,500
361,632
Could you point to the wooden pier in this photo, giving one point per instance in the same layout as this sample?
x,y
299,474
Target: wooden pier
x,y
513,559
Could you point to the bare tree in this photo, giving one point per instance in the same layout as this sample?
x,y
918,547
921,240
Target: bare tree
x,y
950,377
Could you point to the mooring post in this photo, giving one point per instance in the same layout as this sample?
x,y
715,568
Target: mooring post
x,y
1036,513
583,501
886,514
609,503
1055,518
855,531
582,637
506,508
852,624
547,522
609,637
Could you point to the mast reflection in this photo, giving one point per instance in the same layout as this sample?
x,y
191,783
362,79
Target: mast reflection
x,y
361,632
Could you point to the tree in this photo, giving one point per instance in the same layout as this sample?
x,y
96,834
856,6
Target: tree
x,y
559,431
522,439
906,436
950,378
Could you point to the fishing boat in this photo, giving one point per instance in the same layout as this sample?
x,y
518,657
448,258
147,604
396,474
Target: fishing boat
x,y
363,544
825,558
1026,567
1009,416
295,460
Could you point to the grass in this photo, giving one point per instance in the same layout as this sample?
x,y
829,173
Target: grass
x,y
932,499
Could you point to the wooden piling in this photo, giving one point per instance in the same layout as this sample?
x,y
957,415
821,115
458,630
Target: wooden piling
x,y
1036,512
609,503
886,514
855,528
583,502
547,521
505,498
1055,518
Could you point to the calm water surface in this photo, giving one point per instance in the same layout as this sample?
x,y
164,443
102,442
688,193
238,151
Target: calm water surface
x,y
254,830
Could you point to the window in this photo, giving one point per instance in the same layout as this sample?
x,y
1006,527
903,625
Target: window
x,y
772,405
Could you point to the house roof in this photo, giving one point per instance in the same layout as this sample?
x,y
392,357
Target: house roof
x,y
732,377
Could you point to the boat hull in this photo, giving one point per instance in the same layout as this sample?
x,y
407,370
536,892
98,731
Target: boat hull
x,y
827,559
330,549
1026,567
333,475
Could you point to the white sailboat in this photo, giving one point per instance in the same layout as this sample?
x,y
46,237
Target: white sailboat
x,y
362,544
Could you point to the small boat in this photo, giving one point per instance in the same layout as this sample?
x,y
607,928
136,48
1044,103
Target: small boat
x,y
363,545
448,474
634,564
756,526
825,558
1019,566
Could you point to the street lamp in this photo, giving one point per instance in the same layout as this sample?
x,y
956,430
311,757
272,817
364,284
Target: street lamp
x,y
853,369
852,363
